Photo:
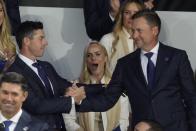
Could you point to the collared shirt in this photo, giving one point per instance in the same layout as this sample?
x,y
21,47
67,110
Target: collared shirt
x,y
144,59
14,119
29,62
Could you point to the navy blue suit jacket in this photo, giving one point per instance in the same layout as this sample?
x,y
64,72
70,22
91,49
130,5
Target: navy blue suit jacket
x,y
29,123
97,19
12,7
172,102
38,104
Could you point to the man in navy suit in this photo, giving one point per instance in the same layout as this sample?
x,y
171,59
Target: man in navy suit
x,y
13,12
100,15
46,99
13,92
169,97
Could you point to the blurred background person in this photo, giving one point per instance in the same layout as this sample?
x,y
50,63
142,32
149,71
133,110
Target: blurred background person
x,y
13,14
148,125
119,42
7,46
95,70
100,15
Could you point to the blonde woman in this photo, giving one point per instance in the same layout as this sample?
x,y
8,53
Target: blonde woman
x,y
95,70
7,47
119,43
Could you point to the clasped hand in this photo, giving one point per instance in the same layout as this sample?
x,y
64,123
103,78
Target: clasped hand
x,y
78,93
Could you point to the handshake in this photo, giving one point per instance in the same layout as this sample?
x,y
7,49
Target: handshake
x,y
78,93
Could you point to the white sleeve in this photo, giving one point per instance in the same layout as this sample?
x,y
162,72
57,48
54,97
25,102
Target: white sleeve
x,y
70,120
124,117
106,41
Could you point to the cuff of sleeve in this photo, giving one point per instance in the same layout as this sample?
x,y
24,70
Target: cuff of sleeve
x,y
111,17
72,101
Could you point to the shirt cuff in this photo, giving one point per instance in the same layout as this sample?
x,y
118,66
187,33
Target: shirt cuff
x,y
72,101
111,17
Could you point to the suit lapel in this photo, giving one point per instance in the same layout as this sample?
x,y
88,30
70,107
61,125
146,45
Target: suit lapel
x,y
162,63
139,72
31,74
23,123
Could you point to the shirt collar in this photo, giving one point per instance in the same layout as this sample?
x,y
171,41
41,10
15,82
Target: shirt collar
x,y
153,50
14,119
28,61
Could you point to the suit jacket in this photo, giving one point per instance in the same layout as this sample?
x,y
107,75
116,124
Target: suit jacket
x,y
97,19
172,102
38,103
29,123
12,7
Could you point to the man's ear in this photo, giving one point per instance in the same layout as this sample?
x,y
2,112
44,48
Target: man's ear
x,y
25,95
155,30
26,40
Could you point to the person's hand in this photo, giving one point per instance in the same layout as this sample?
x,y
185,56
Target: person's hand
x,y
149,4
77,93
114,5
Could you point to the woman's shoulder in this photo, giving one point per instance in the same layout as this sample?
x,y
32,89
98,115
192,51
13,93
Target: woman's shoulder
x,y
107,40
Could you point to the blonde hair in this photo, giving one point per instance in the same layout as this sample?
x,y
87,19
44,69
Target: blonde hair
x,y
85,73
119,23
113,114
5,33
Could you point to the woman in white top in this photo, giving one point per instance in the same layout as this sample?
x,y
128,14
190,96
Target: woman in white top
x,y
95,70
119,42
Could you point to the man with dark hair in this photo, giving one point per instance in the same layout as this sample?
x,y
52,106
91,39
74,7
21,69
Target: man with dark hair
x,y
148,125
13,92
46,99
157,78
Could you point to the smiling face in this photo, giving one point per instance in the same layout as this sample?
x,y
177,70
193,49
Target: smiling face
x,y
11,98
95,59
144,35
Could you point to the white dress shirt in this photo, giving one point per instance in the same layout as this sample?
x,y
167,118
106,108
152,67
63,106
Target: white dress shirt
x,y
29,62
144,59
14,119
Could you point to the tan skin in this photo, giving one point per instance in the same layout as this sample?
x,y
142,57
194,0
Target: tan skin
x,y
144,35
129,11
96,59
34,47
11,98
142,126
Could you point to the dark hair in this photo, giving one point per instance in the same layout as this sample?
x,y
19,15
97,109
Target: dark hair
x,y
150,16
26,29
13,77
154,125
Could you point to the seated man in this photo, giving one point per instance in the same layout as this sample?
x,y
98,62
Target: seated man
x,y
148,125
13,92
